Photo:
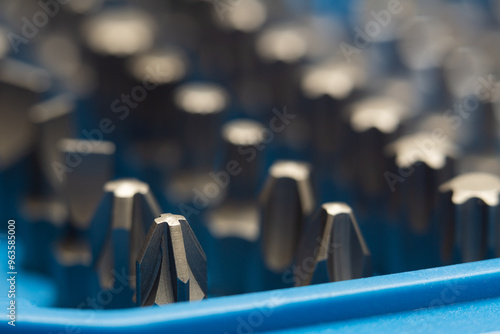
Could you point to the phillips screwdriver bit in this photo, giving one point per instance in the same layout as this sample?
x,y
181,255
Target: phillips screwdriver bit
x,y
171,265
375,121
422,162
471,217
328,88
332,248
117,233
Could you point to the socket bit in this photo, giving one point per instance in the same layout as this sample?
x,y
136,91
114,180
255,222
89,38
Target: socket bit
x,y
471,217
286,201
117,233
332,248
171,265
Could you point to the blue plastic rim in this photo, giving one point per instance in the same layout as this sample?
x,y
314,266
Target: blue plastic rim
x,y
462,298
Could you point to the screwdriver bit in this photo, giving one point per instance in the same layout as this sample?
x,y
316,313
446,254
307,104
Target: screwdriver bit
x,y
159,71
117,233
21,85
471,217
234,222
422,162
87,166
201,105
54,119
375,121
43,204
332,248
425,41
171,265
286,200
244,146
328,88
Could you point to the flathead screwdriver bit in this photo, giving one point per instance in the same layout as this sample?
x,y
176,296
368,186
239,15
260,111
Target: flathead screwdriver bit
x,y
332,248
171,265
287,199
471,217
86,167
117,233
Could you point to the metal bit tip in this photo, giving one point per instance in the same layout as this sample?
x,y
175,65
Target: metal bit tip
x,y
171,266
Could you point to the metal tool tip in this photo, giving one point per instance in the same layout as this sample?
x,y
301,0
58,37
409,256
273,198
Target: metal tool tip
x,y
285,42
483,186
382,113
247,17
120,33
201,98
125,188
159,66
422,147
243,132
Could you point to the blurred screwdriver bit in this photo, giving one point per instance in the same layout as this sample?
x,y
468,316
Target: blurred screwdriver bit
x,y
375,122
474,88
43,204
244,143
171,265
471,217
201,107
88,164
54,119
422,162
20,88
328,88
286,201
425,41
111,37
332,248
159,71
426,160
117,233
